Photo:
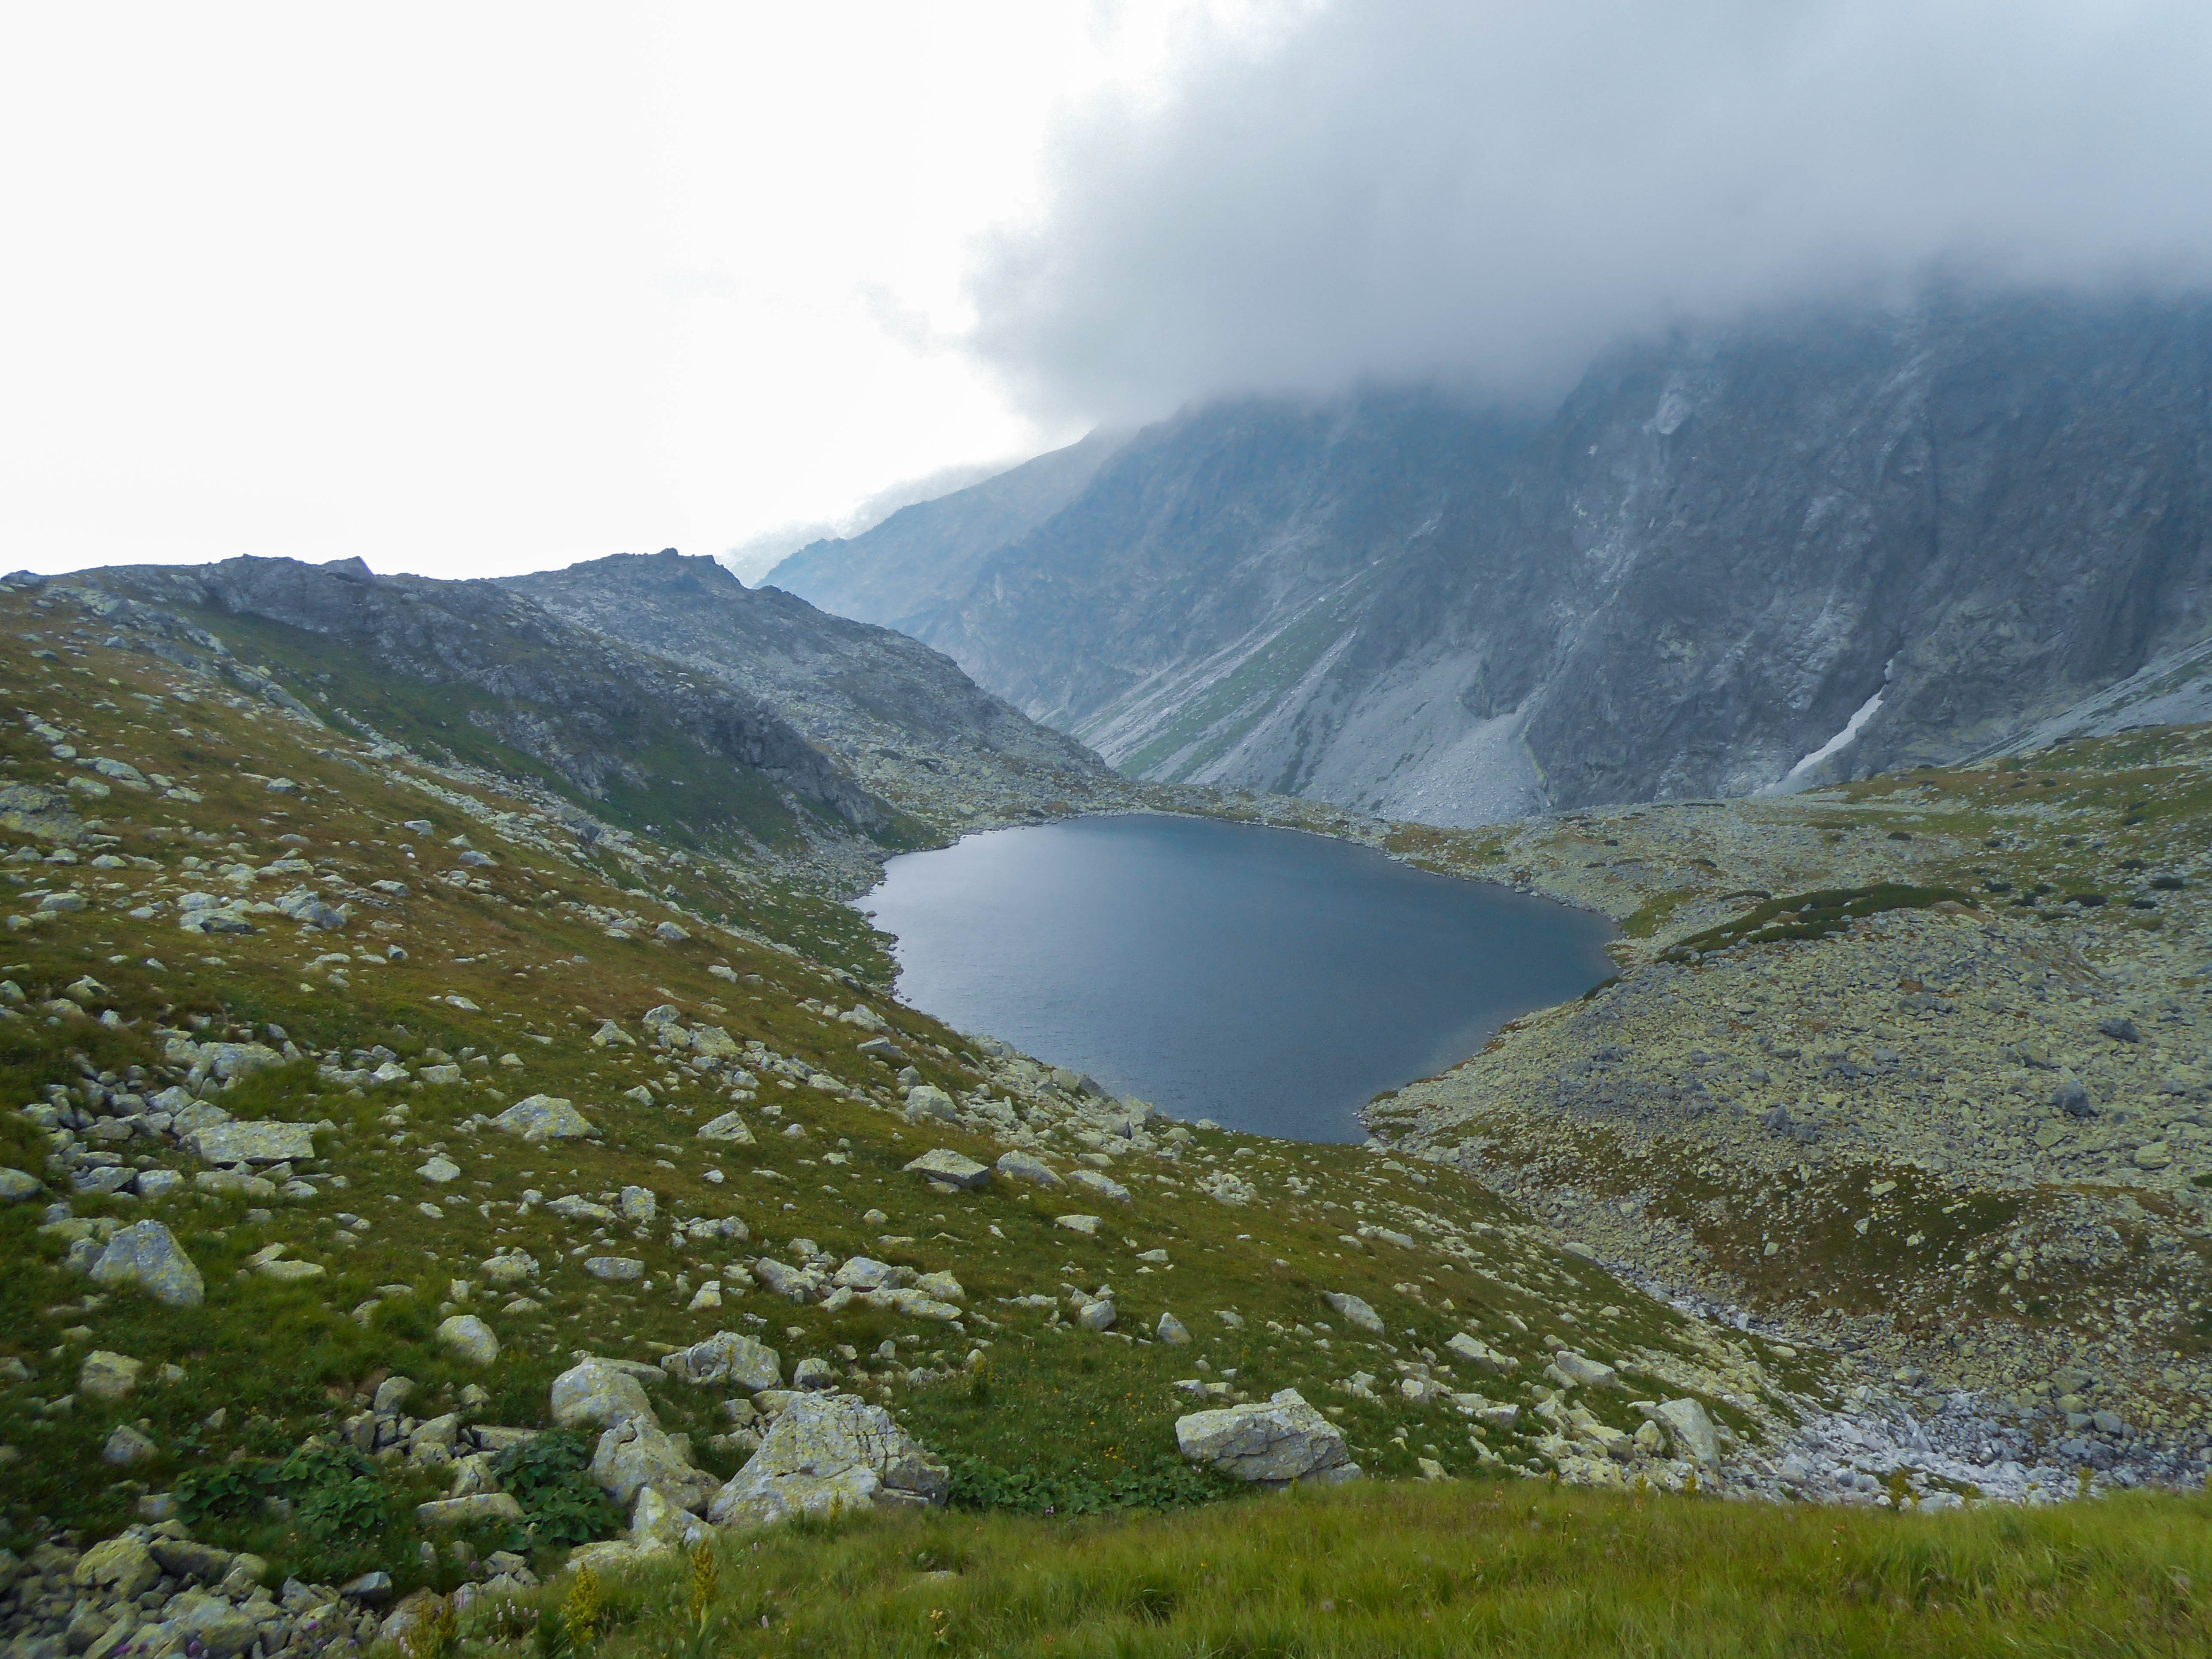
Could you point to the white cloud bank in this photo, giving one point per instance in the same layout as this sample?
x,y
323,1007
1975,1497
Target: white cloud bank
x,y
1497,190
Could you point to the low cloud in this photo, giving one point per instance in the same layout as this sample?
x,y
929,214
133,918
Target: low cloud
x,y
1494,192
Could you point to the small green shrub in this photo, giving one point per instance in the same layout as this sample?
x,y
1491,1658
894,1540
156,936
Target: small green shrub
x,y
549,1475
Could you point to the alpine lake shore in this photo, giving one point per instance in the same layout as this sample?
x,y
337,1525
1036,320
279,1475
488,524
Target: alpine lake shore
x,y
430,1225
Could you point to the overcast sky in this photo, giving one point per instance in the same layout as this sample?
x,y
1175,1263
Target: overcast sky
x,y
476,288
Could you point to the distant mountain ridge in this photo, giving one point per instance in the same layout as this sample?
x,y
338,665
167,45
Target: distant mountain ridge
x,y
1683,581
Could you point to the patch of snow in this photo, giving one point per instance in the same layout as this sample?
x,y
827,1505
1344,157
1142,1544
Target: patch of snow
x,y
1851,729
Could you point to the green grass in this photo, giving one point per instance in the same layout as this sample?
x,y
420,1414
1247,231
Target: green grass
x,y
1813,915
1447,1570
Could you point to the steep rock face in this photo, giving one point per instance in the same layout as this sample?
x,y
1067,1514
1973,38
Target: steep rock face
x,y
859,692
600,714
903,567
1686,579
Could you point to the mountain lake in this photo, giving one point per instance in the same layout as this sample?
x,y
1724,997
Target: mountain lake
x,y
1272,980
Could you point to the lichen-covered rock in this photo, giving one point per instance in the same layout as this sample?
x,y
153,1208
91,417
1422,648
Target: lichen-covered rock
x,y
466,1337
1689,1428
122,1565
656,1524
728,1357
1269,1445
635,1453
600,1394
544,1117
239,1142
825,1452
147,1255
950,1169
106,1376
1025,1166
1355,1310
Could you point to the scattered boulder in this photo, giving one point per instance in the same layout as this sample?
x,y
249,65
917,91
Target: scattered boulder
x,y
544,1117
106,1376
2071,1098
1689,1428
636,1453
1355,1309
1103,1185
1085,1224
729,1127
468,1510
237,1142
656,1524
950,1169
468,1338
621,1269
147,1255
827,1451
16,1186
1172,1331
926,1100
1590,1373
1479,1354
1270,1445
726,1357
122,1565
1021,1166
598,1392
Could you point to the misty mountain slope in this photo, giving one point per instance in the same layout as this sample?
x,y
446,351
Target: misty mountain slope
x,y
1685,580
895,713
899,569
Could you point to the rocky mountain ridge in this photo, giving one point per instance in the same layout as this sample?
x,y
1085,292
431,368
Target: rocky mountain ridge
x,y
1931,528
899,717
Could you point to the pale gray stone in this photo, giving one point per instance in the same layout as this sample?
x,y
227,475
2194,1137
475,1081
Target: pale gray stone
x,y
620,1269
635,1453
730,1127
253,1142
1103,1185
950,1169
147,1255
106,1376
1356,1310
1689,1428
544,1117
1589,1373
1269,1445
926,1100
826,1452
468,1338
1023,1166
726,1357
17,1185
468,1510
596,1392
1172,1331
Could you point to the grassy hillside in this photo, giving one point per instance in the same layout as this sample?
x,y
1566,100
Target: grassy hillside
x,y
493,945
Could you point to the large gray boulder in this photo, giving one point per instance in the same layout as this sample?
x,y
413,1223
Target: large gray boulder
x,y
727,1357
1018,1165
253,1142
636,1453
597,1392
1355,1310
1269,1445
146,1255
947,1167
544,1117
827,1452
468,1338
1689,1428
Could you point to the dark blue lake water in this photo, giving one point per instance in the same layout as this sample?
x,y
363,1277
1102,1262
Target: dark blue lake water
x,y
1271,980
